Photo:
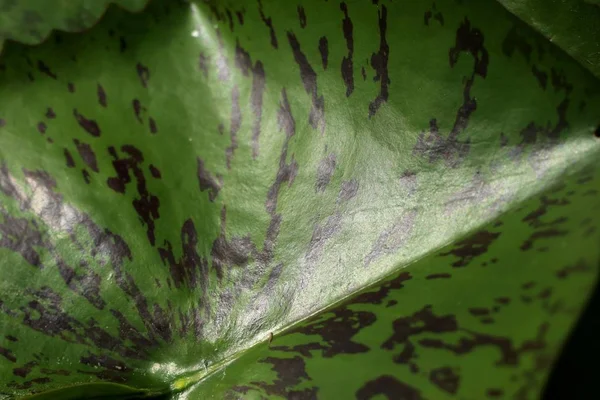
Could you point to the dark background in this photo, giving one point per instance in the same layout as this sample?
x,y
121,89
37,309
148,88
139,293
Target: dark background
x,y
576,374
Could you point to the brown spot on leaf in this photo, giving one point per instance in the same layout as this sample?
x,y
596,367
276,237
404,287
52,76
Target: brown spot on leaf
x,y
379,62
207,182
69,159
309,80
472,247
101,96
44,69
446,379
87,154
89,125
438,276
147,204
143,73
388,386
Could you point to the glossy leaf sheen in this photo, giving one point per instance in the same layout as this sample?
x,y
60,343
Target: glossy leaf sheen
x,y
312,200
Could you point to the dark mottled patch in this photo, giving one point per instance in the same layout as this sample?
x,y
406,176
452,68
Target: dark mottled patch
x,y
439,18
50,113
21,237
391,303
363,72
541,76
322,233
503,300
44,69
28,384
286,173
325,172
450,149
438,276
302,17
531,132
446,379
11,338
338,326
559,81
137,110
69,159
203,62
528,285
347,63
379,62
541,234
152,125
515,41
155,172
236,122
112,369
478,311
240,17
348,190
207,182
388,386
101,96
578,267
290,372
25,369
324,51
122,44
420,322
234,252
426,17
86,176
89,125
392,238
533,219
435,14
509,353
8,354
309,80
494,392
377,296
472,247
143,73
71,87
269,23
59,372
222,62
41,127
229,18
2,122
87,154
192,269
244,63
147,204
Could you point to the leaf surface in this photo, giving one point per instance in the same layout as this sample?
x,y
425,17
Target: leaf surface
x,y
405,196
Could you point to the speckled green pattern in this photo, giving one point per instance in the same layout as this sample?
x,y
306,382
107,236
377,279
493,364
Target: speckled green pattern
x,y
570,24
32,21
482,318
180,183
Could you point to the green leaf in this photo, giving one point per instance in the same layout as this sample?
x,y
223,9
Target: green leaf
x,y
571,25
31,21
402,196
